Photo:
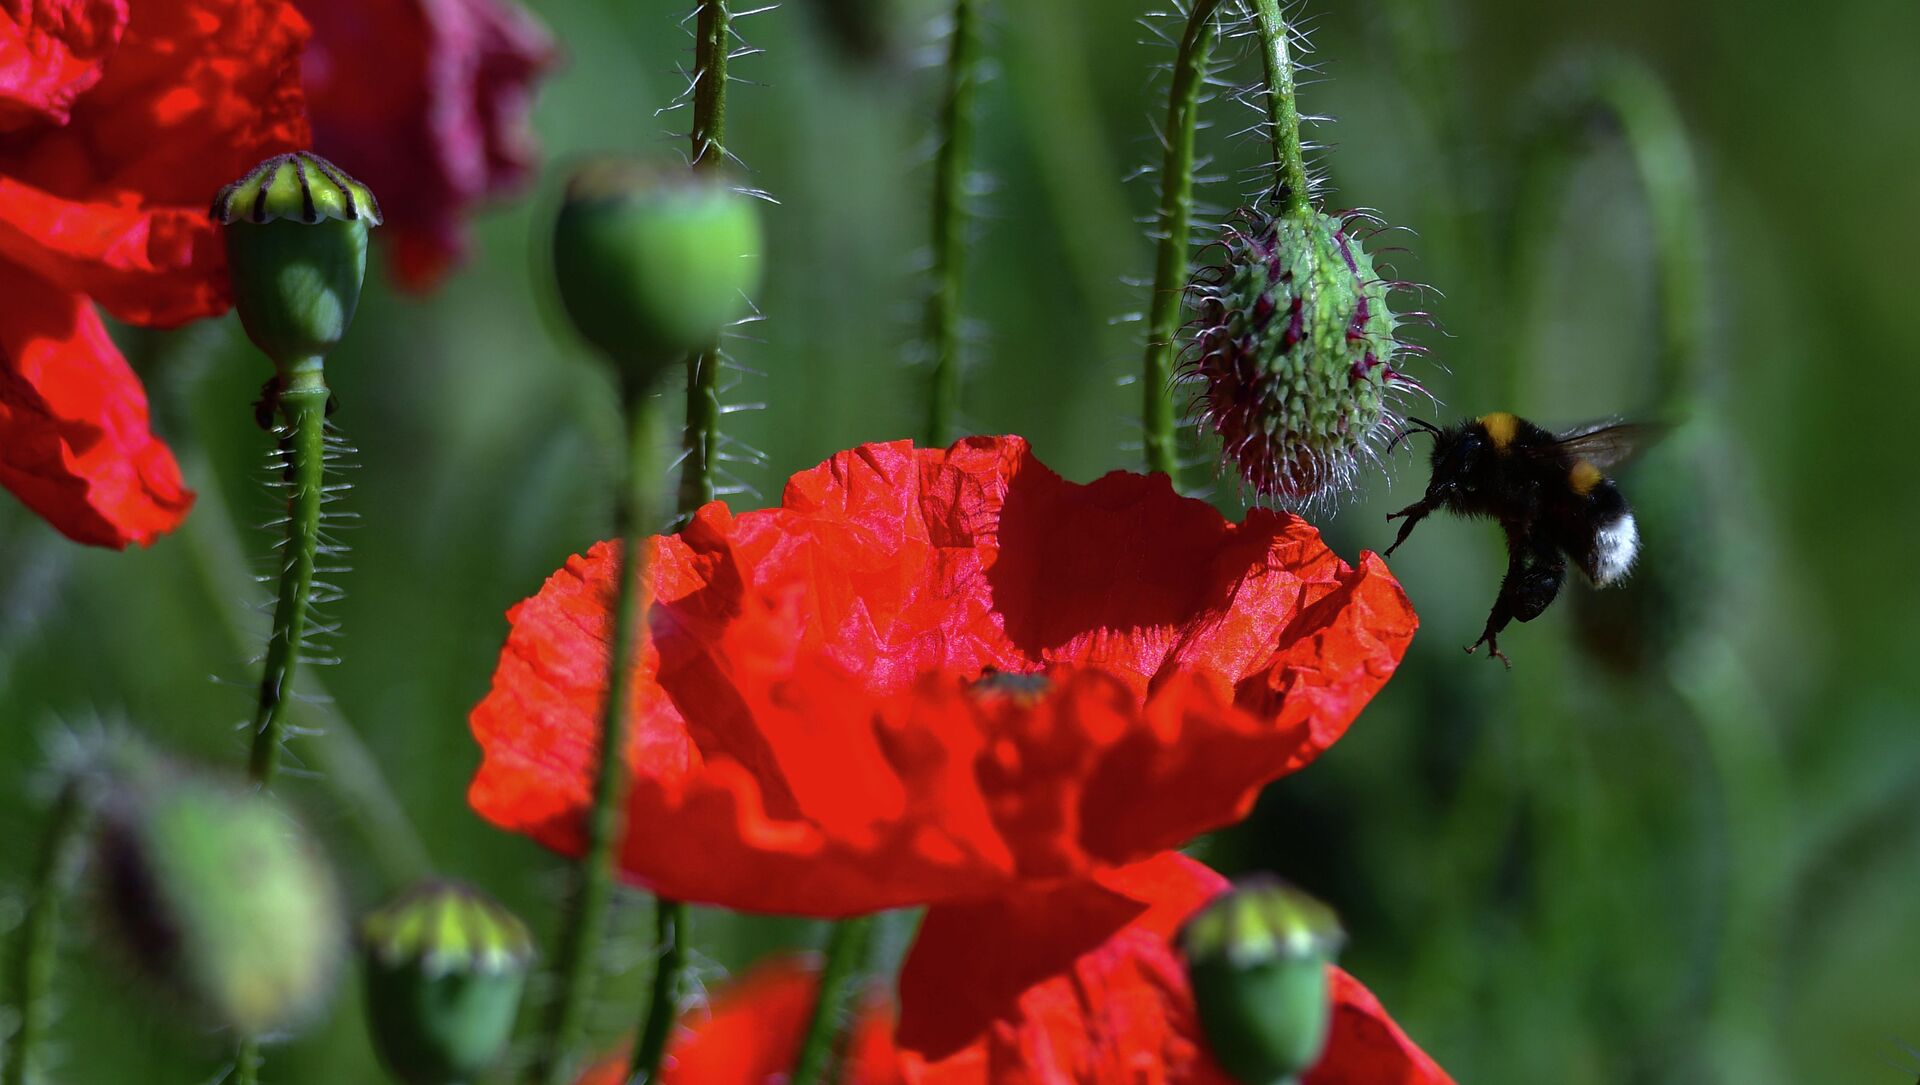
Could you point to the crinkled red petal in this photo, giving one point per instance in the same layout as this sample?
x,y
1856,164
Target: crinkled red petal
x,y
807,740
74,442
1082,983
750,1034
113,204
428,102
51,52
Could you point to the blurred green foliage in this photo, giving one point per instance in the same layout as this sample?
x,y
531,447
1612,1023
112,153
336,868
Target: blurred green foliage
x,y
1685,855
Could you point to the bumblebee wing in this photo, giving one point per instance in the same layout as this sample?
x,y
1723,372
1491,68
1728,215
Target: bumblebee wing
x,y
1607,445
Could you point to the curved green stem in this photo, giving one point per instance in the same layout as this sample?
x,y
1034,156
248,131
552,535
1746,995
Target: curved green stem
x,y
713,29
303,407
586,922
1175,220
846,949
1291,188
38,951
950,220
663,1006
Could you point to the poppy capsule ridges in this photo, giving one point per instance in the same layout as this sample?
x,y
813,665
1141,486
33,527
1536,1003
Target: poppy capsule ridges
x,y
218,894
445,968
296,237
1293,352
653,261
1257,959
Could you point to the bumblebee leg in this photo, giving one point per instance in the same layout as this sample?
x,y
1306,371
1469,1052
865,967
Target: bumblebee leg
x,y
1413,513
1533,582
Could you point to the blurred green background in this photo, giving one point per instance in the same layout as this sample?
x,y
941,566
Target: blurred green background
x,y
1677,843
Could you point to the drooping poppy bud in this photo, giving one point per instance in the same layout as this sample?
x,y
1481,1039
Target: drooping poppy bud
x,y
653,262
1257,958
446,965
219,895
1294,349
296,234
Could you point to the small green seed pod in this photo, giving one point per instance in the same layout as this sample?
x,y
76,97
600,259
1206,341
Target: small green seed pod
x,y
1257,958
445,966
1293,352
219,895
296,233
652,262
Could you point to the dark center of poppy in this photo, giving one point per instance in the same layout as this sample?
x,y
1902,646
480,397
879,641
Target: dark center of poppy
x,y
1009,684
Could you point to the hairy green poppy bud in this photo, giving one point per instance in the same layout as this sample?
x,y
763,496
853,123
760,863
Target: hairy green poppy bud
x,y
1294,347
445,968
654,262
219,895
1257,958
296,232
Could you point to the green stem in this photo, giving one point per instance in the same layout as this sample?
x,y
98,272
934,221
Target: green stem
x,y
846,948
950,220
246,1063
1283,112
346,764
587,920
303,407
663,1007
38,953
712,40
1176,228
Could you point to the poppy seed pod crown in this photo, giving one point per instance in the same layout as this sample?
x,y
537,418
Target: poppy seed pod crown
x,y
296,232
1294,347
1257,957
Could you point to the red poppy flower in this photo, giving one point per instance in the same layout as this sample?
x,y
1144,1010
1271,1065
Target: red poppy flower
x,y
118,121
1070,984
935,675
751,1032
427,102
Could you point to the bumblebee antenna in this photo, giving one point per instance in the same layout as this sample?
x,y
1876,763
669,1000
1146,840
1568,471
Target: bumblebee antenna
x,y
1413,425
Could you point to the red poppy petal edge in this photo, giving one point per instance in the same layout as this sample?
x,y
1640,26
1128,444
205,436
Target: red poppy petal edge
x,y
74,442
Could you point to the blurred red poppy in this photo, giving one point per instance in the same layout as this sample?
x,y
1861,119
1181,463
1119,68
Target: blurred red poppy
x,y
751,1032
426,101
935,675
1070,984
118,121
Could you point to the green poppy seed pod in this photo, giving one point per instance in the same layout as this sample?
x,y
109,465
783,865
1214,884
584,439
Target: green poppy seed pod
x,y
653,262
445,965
1257,958
1293,351
296,234
219,895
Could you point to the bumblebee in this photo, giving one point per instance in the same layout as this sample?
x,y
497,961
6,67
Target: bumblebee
x,y
1551,494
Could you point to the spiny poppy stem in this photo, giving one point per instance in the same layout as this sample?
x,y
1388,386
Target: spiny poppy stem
x,y
1283,112
586,922
663,1006
38,952
713,28
1176,227
302,403
846,947
950,220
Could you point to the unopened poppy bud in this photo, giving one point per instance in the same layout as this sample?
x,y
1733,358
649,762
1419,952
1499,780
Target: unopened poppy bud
x,y
296,233
1257,958
445,968
219,895
1295,349
654,262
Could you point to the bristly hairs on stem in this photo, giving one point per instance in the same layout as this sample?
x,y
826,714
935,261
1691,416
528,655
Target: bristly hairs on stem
x,y
950,220
717,43
302,449
36,950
